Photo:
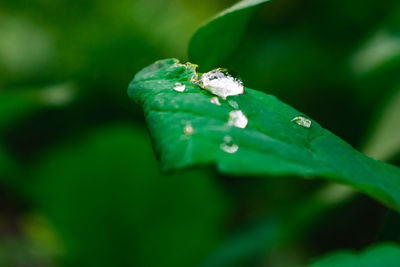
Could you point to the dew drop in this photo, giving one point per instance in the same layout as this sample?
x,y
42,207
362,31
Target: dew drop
x,y
227,139
215,100
195,79
179,87
237,119
233,104
188,129
302,121
227,146
229,149
221,83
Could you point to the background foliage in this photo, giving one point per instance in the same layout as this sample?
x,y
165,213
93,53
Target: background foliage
x,y
79,183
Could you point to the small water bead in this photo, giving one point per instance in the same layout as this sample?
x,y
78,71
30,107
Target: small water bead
x,y
229,149
215,100
195,78
227,139
221,83
237,119
227,146
179,87
233,104
188,129
302,121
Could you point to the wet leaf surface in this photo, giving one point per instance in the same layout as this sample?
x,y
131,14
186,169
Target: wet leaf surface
x,y
271,144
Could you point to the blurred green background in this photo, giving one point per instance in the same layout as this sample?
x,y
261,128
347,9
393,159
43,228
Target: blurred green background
x,y
79,184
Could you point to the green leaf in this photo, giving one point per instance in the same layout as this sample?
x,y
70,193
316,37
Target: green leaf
x,y
213,43
9,168
18,104
279,228
387,255
376,62
381,51
4,161
384,141
119,177
271,144
15,105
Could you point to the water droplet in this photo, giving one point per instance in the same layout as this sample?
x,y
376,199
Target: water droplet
x,y
228,146
221,83
188,130
302,121
195,78
237,119
233,104
215,100
229,149
179,87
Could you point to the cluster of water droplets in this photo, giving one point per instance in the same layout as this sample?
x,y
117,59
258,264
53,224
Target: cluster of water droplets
x,y
222,85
